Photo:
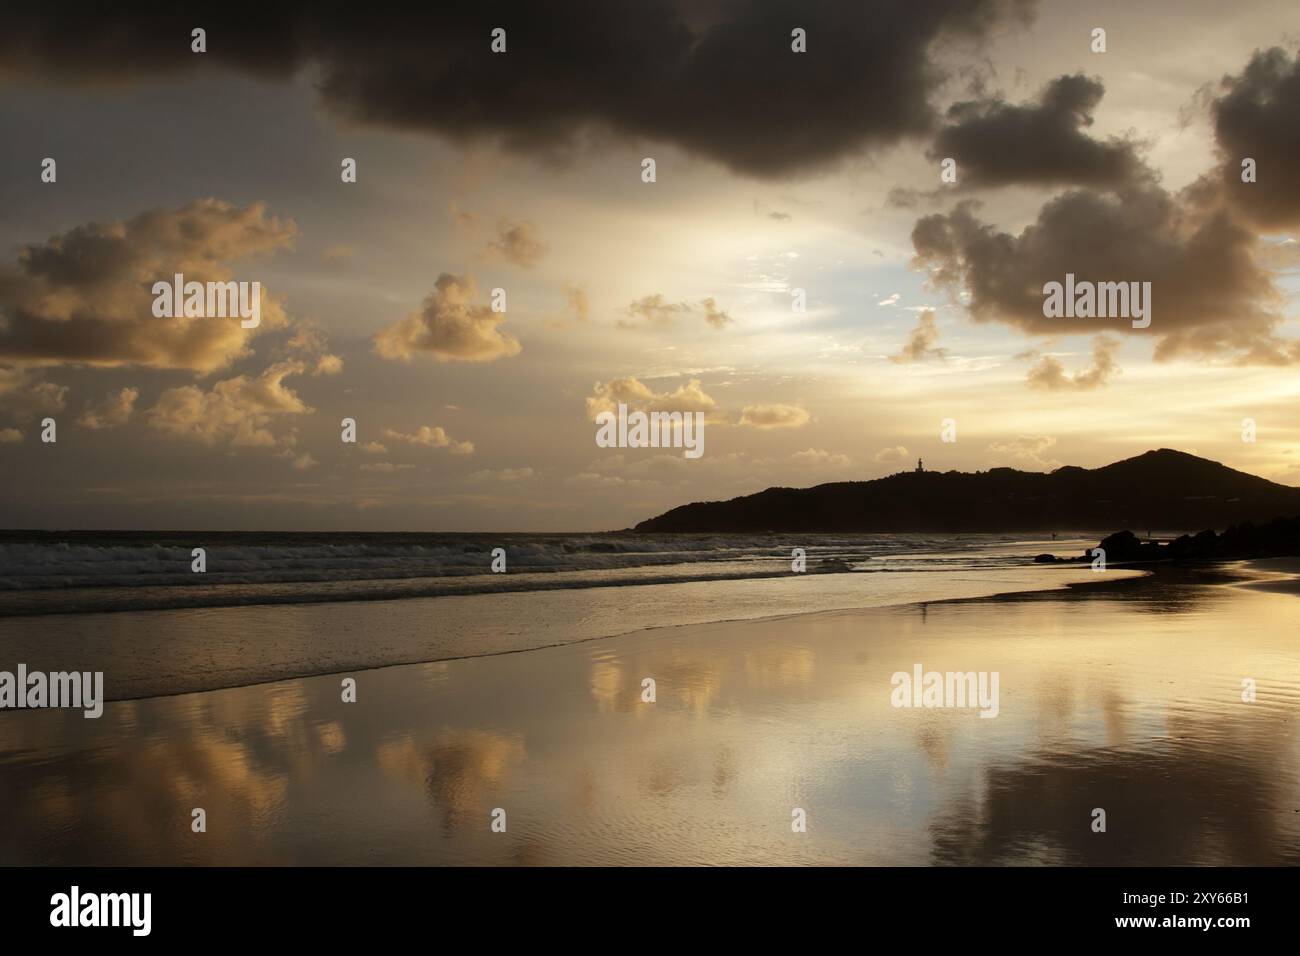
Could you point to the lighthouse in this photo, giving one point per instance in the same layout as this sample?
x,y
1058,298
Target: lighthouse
x,y
920,466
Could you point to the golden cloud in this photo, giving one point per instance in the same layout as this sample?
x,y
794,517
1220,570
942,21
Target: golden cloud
x,y
85,297
449,327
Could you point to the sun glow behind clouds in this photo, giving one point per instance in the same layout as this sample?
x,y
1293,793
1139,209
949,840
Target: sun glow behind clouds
x,y
600,241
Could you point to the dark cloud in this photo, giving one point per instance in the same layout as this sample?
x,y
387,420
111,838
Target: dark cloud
x,y
110,43
996,143
1209,294
1213,281
718,80
1258,116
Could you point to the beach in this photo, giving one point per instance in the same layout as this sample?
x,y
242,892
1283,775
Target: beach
x,y
1120,691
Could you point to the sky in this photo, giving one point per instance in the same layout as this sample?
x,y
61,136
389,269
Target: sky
x,y
522,170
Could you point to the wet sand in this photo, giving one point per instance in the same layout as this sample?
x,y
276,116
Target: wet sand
x,y
1125,696
1281,575
156,652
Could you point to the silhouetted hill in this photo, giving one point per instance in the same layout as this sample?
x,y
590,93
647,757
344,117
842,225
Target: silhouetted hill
x,y
1165,489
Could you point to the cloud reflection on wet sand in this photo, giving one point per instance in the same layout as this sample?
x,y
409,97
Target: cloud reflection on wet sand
x,y
1126,698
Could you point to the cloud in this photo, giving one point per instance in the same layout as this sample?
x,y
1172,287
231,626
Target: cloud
x,y
904,197
664,470
503,474
25,394
328,365
1213,281
385,467
236,411
657,311
517,244
576,307
576,297
85,297
310,343
668,71
114,410
922,343
449,327
1258,116
435,437
591,479
715,316
774,416
820,458
301,461
1026,450
1210,297
891,456
1050,374
606,397
996,143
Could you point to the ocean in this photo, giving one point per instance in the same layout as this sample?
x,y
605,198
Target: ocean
x,y
85,571
277,606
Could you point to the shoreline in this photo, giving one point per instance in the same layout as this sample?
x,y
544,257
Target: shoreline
x,y
1074,590
1282,576
155,653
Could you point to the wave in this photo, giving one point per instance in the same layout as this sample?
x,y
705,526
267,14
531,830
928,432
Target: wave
x,y
42,573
